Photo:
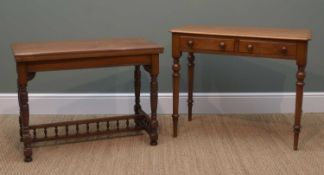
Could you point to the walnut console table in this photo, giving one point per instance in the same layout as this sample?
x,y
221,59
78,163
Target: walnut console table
x,y
288,44
53,56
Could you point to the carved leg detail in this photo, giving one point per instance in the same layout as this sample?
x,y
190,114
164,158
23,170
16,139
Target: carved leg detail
x,y
191,66
299,101
24,113
137,77
20,118
30,76
137,84
176,76
154,98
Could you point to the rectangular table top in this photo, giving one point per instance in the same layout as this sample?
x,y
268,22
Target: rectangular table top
x,y
251,32
37,51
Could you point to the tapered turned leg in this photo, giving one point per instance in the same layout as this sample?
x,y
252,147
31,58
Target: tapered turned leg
x,y
137,84
191,67
176,77
154,98
24,113
299,101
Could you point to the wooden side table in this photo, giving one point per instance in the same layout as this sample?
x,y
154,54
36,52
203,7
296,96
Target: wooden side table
x,y
288,44
53,56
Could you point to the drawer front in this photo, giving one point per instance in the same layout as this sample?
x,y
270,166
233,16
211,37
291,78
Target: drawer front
x,y
265,48
207,44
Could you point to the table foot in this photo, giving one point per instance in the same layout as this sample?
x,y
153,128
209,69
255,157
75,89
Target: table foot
x,y
28,159
28,153
175,118
153,132
296,136
154,142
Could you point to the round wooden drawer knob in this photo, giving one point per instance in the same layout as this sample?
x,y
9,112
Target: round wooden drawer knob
x,y
190,43
284,50
250,47
222,45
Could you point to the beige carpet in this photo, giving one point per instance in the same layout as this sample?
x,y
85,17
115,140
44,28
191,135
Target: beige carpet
x,y
209,145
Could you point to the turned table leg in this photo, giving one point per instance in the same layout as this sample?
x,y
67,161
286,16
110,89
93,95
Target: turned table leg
x,y
176,77
137,84
299,101
23,78
23,95
20,112
154,98
191,67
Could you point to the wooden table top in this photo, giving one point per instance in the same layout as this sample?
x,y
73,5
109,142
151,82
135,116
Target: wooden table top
x,y
107,47
253,32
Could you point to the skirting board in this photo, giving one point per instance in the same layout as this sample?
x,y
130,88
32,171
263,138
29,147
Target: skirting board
x,y
122,103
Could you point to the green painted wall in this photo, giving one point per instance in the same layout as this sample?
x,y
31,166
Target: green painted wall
x,y
41,20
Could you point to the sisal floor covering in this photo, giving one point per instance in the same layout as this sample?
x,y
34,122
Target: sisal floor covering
x,y
209,145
